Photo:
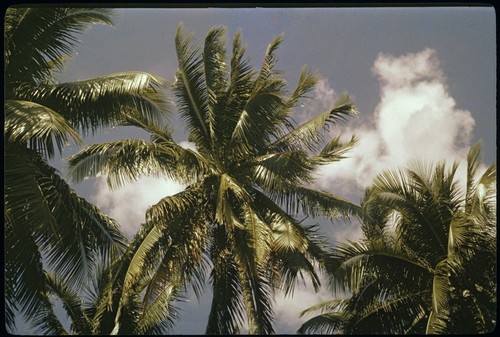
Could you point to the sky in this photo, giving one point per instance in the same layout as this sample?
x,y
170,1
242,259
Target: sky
x,y
422,78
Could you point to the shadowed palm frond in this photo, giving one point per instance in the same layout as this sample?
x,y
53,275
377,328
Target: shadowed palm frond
x,y
52,35
190,89
427,262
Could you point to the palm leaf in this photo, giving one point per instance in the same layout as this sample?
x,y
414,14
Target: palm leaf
x,y
227,309
214,57
103,101
34,124
80,323
190,89
52,34
329,323
307,134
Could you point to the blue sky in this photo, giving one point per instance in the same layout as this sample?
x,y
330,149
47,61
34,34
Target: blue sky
x,y
423,80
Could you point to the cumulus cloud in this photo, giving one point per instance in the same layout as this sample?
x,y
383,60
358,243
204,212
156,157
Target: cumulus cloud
x,y
288,308
416,118
128,204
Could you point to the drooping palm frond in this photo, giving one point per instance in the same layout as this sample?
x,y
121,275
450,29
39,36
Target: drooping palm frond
x,y
80,323
103,101
227,311
35,194
427,262
37,126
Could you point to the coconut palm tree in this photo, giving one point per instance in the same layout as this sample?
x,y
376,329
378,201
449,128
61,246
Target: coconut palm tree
x,y
47,226
427,262
91,309
247,180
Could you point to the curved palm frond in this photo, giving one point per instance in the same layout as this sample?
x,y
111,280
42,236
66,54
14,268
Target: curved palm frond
x,y
308,135
37,196
71,303
103,101
427,262
38,126
51,32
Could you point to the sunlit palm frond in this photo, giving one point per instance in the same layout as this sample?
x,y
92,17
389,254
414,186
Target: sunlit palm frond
x,y
37,126
159,317
335,150
256,296
308,134
267,81
307,81
234,100
123,161
314,203
275,171
103,101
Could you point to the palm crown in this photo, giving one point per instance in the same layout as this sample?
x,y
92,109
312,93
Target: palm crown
x,y
47,226
248,174
427,262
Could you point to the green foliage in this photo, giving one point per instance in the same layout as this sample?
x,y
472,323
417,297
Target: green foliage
x,y
250,171
47,226
427,263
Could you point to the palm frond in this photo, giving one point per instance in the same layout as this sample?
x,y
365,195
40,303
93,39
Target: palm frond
x,y
159,316
227,309
257,298
307,81
266,81
38,126
68,228
103,101
276,171
52,33
256,123
24,274
237,94
214,57
335,150
190,89
72,304
308,134
314,203
328,323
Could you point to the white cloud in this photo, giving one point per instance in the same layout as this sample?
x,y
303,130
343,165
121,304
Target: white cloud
x,y
320,99
416,118
128,204
288,308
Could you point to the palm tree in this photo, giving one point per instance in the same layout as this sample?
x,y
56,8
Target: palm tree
x,y
47,226
91,310
427,262
248,174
